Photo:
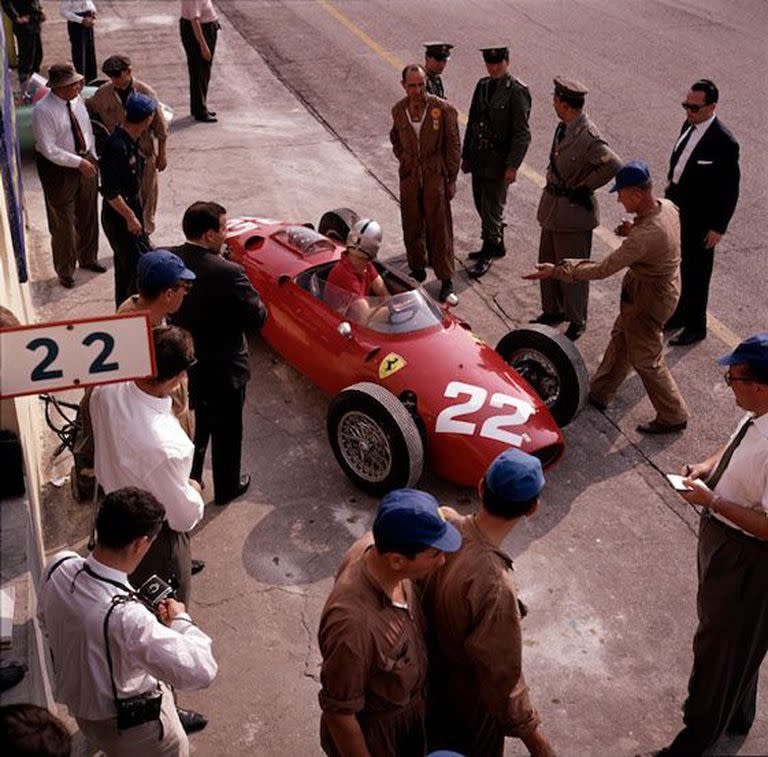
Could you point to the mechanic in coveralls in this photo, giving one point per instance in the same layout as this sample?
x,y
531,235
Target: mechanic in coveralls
x,y
355,277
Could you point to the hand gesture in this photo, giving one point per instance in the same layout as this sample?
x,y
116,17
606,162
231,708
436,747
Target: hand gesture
x,y
87,168
168,609
510,176
711,239
134,225
543,271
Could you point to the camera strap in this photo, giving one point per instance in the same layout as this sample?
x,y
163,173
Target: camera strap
x,y
116,601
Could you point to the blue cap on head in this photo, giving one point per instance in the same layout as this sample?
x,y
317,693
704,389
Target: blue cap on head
x,y
752,351
409,517
138,107
161,269
632,174
515,476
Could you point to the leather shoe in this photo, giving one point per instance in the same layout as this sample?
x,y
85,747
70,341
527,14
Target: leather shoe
x,y
67,282
11,674
480,268
418,274
191,721
207,118
655,428
197,566
601,406
242,488
95,267
687,337
446,288
548,319
575,330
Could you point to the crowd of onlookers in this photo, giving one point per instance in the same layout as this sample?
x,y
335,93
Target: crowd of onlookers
x,y
421,636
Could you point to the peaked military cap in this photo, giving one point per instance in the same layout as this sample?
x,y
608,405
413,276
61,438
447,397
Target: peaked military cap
x,y
569,87
115,65
438,50
495,53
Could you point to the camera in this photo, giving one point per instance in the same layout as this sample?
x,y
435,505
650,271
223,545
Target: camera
x,y
154,591
138,710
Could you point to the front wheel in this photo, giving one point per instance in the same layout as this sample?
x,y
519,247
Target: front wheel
x,y
552,365
374,438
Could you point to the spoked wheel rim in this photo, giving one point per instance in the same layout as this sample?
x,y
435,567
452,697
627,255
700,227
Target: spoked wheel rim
x,y
540,372
364,446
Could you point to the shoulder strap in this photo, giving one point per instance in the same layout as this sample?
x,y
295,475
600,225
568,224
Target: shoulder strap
x,y
57,564
119,600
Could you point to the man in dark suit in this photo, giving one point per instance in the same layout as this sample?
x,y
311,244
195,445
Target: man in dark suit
x,y
217,311
704,184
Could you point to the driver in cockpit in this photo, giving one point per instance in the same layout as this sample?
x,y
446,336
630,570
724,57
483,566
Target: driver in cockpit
x,y
354,277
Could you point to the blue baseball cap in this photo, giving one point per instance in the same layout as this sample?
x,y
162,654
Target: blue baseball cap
x,y
409,517
632,174
515,476
138,107
160,269
752,351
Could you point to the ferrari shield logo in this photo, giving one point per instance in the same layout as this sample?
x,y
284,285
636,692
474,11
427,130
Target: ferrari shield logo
x,y
392,363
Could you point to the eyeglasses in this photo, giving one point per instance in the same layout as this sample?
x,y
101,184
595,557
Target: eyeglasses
x,y
731,379
692,107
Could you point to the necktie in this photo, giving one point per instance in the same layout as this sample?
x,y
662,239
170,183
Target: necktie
x,y
678,151
717,474
77,132
560,132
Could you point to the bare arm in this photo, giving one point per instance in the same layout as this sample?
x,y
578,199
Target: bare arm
x,y
347,734
197,30
379,288
122,207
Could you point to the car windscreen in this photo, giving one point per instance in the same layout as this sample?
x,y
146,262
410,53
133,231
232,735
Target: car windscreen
x,y
401,313
304,240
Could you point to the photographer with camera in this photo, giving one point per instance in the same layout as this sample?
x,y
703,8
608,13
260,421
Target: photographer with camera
x,y
117,651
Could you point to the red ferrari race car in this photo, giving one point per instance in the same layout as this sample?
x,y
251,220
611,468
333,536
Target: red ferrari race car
x,y
411,383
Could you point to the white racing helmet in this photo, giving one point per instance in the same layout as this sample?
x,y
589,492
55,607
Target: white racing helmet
x,y
365,236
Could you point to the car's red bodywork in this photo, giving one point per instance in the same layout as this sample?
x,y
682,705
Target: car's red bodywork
x,y
470,403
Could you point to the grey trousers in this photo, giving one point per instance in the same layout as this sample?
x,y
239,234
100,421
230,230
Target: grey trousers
x,y
490,197
170,557
731,640
560,297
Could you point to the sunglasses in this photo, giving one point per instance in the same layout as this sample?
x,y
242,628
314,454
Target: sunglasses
x,y
692,107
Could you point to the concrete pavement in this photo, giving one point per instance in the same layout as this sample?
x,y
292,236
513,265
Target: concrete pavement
x,y
607,566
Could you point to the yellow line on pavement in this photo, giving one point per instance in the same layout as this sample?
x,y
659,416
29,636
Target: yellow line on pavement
x,y
715,325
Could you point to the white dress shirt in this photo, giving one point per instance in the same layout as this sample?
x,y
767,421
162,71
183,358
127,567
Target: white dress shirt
x,y
202,9
70,9
71,609
745,479
682,161
52,129
138,442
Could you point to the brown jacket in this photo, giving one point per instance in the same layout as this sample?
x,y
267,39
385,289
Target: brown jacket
x,y
477,692
582,159
106,104
437,152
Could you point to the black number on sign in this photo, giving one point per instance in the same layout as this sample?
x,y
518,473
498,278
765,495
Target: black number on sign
x,y
41,373
98,365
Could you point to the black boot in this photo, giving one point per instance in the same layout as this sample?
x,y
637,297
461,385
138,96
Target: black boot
x,y
483,252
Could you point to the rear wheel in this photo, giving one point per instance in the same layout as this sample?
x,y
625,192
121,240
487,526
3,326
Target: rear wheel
x,y
374,438
336,224
552,365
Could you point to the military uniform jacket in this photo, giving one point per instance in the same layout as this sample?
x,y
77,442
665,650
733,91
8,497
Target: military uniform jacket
x,y
437,152
497,135
582,159
435,85
106,106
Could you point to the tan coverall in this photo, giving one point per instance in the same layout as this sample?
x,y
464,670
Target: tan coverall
x,y
649,294
429,165
106,104
580,159
477,693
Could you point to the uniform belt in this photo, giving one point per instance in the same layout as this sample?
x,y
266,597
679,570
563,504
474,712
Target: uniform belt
x,y
732,532
556,189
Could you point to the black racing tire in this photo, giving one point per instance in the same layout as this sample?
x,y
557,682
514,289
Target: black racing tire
x,y
336,224
374,438
552,365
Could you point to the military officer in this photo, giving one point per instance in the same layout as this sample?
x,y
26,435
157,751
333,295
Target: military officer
x,y
579,162
436,57
495,144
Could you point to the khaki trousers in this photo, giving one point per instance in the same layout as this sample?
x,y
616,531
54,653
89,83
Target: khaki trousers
x,y
148,194
70,203
560,297
637,342
163,738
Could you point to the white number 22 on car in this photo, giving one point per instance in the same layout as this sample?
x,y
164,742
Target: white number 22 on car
x,y
493,427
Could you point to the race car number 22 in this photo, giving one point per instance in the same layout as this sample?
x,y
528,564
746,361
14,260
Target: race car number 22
x,y
493,427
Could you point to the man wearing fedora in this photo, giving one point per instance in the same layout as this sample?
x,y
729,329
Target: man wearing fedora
x,y
66,164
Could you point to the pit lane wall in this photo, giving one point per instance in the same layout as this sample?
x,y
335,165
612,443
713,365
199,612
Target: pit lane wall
x,y
21,536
